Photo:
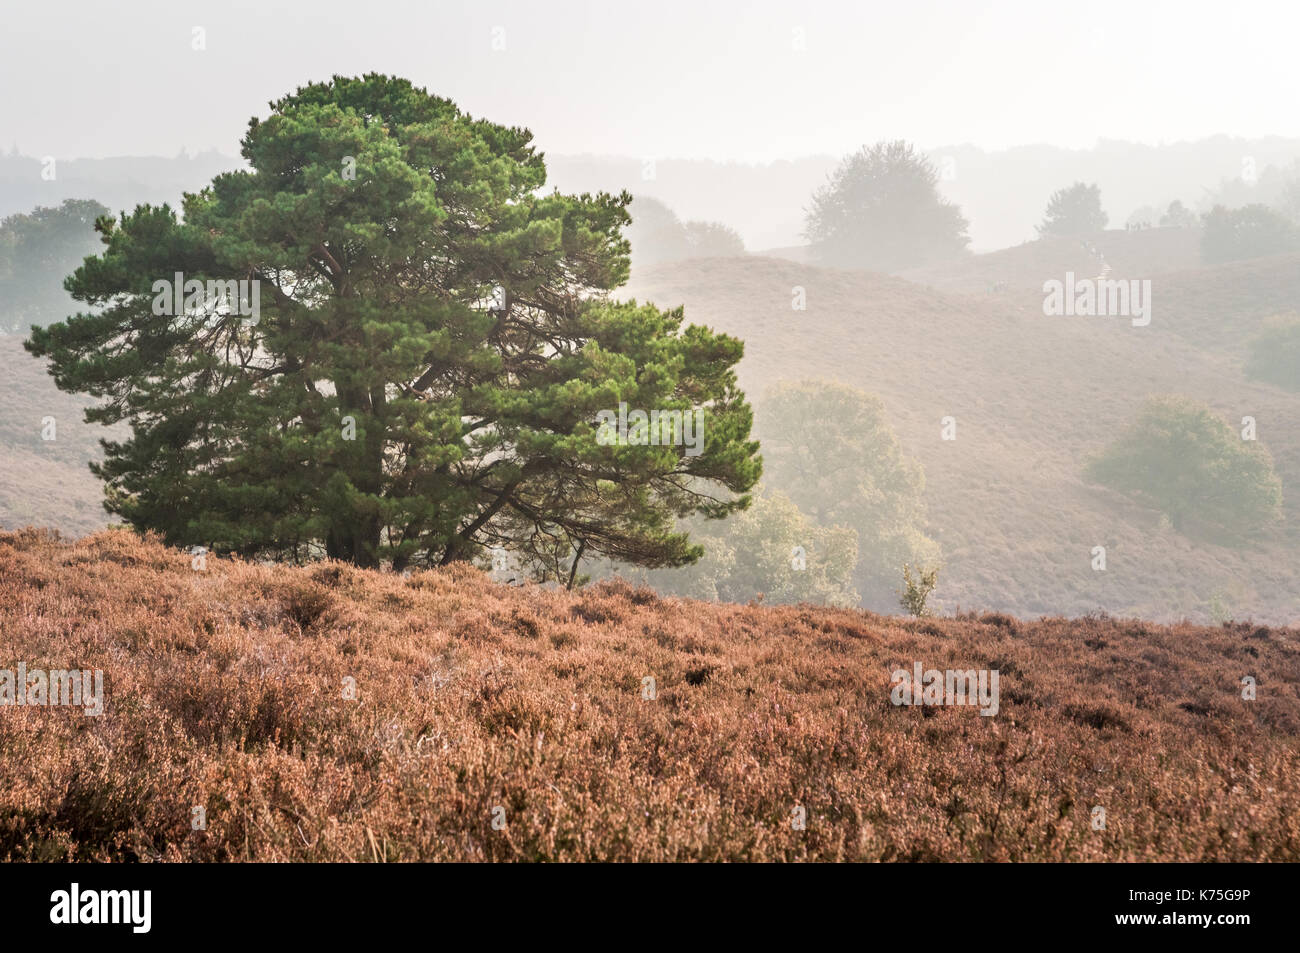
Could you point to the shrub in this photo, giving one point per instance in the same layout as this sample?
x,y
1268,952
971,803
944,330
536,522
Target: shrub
x,y
773,551
917,588
1184,459
1275,354
1250,232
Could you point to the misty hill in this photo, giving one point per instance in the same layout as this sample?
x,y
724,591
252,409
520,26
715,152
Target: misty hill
x,y
1003,193
1134,254
45,482
331,713
1033,396
120,183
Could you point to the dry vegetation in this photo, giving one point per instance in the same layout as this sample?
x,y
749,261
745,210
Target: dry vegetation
x,y
45,482
225,690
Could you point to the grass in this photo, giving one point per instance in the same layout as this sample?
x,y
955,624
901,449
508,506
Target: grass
x,y
226,691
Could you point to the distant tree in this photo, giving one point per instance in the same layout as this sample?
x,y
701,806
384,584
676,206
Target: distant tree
x,y
1264,187
434,350
655,234
658,235
1250,232
712,240
1178,215
1074,212
882,210
829,447
1275,353
1182,458
773,550
37,251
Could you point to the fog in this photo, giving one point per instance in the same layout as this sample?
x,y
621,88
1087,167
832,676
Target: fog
x,y
926,216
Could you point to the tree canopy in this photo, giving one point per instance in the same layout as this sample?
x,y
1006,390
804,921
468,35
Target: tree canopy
x,y
658,235
882,210
1073,212
423,377
772,551
1184,459
37,250
1250,232
1275,353
830,448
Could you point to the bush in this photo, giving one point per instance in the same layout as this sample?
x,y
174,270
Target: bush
x,y
1275,354
1250,232
1178,216
657,235
773,551
917,588
1182,458
37,251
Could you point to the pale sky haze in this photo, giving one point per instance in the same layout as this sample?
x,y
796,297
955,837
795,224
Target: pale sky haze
x,y
698,79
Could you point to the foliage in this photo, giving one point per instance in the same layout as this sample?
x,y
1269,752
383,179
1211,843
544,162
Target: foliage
x,y
881,209
36,251
917,588
712,240
829,447
435,342
1184,459
1275,353
658,235
1250,232
1178,215
225,689
1073,212
771,552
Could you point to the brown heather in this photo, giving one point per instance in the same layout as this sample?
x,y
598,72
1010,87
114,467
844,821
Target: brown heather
x,y
225,689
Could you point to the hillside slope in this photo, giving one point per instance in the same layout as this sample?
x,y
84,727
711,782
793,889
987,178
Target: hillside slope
x,y
1033,396
45,482
1137,254
226,690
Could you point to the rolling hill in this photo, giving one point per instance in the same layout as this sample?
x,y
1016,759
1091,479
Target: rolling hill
x,y
45,482
1033,396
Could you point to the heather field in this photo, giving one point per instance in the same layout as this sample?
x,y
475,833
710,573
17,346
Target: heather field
x,y
331,713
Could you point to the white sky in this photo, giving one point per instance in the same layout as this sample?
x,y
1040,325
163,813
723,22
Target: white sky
x,y
666,78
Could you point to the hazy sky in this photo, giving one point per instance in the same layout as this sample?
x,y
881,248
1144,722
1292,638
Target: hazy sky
x,y
721,80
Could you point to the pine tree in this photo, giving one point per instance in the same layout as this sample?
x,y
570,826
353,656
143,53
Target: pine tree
x,y
432,343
